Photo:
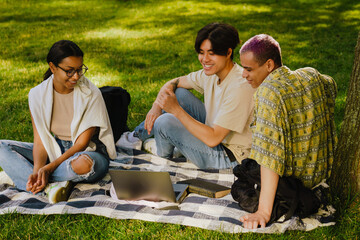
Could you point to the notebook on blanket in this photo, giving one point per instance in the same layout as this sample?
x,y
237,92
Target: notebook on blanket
x,y
146,185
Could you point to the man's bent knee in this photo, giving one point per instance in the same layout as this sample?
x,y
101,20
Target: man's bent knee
x,y
4,143
164,124
82,165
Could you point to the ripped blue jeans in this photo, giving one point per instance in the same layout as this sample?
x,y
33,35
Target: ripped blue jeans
x,y
16,160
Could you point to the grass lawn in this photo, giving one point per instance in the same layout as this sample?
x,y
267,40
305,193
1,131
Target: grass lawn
x,y
139,45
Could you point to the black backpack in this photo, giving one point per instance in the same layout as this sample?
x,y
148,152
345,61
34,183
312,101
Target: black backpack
x,y
117,101
292,197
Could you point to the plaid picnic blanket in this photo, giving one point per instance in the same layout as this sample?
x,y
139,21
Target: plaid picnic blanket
x,y
221,214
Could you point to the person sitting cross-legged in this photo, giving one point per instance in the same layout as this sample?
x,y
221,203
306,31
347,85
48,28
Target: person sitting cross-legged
x,y
73,140
214,134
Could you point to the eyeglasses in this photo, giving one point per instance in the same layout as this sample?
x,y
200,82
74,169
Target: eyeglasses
x,y
81,71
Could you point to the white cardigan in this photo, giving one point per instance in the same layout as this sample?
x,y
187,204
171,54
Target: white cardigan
x,y
89,111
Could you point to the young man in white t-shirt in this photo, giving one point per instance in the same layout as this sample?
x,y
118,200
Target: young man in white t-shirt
x,y
214,134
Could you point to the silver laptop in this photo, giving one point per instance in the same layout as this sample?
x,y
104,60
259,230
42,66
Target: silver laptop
x,y
146,185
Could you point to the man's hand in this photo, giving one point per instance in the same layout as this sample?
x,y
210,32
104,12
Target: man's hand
x,y
252,221
167,101
269,183
156,110
151,116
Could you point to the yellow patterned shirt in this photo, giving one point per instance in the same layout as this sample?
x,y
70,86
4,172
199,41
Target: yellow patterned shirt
x,y
294,130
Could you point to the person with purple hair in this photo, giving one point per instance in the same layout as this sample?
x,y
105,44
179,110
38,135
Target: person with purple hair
x,y
293,129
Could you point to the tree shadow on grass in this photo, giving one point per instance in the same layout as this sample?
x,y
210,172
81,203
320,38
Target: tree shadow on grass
x,y
148,42
302,28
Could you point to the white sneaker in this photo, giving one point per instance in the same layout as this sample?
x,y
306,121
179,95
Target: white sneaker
x,y
150,146
58,191
177,153
126,143
4,178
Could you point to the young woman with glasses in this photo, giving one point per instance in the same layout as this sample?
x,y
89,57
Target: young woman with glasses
x,y
73,140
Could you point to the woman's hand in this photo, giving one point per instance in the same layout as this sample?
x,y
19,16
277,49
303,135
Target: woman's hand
x,y
43,177
31,183
38,181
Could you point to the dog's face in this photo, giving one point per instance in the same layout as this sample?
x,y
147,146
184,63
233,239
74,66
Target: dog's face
x,y
249,200
246,196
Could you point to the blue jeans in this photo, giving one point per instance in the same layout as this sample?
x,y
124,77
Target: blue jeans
x,y
17,161
169,133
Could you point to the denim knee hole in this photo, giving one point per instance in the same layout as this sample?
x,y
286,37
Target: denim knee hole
x,y
90,160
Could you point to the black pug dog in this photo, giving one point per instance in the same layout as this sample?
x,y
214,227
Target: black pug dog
x,y
292,197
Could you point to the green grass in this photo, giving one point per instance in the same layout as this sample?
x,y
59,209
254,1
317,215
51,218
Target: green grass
x,y
139,45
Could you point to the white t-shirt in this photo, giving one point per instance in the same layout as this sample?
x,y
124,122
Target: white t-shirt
x,y
229,105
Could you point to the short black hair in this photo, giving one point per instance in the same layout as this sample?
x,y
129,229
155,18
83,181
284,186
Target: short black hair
x,y
222,37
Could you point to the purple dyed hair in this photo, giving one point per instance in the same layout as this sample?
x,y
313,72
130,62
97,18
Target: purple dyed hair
x,y
264,47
